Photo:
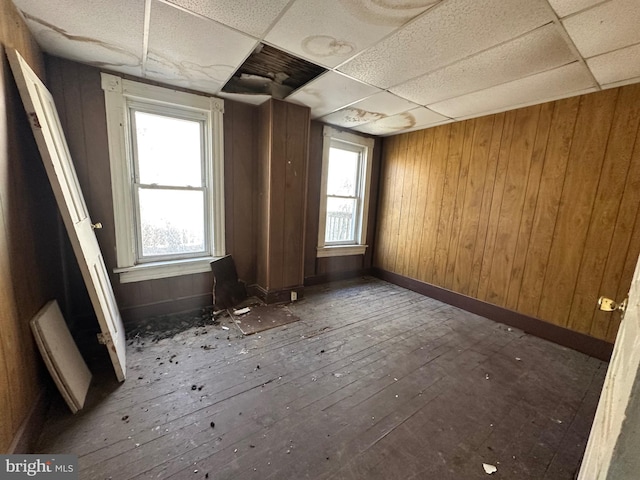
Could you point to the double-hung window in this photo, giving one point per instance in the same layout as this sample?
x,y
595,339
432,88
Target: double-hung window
x,y
346,173
167,179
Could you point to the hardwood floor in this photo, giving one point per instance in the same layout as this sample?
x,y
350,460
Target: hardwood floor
x,y
374,382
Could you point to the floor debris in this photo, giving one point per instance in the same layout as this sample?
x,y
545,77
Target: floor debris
x,y
489,469
241,311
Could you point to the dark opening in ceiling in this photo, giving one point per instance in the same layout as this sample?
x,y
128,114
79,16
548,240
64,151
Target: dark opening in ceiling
x,y
269,71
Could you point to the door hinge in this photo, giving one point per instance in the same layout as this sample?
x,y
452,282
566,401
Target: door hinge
x,y
105,339
33,117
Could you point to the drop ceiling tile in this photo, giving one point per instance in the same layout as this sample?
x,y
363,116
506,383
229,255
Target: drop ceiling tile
x,y
245,98
447,33
330,92
375,107
616,66
553,84
90,31
245,15
203,60
542,49
414,119
604,28
567,7
329,32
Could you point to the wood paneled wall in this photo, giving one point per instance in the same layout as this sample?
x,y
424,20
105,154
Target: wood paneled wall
x,y
325,268
80,102
29,251
282,172
536,210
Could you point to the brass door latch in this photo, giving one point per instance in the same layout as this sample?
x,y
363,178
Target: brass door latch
x,y
607,305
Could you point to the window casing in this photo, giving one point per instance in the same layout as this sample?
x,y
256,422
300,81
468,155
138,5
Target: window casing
x,y
344,202
166,158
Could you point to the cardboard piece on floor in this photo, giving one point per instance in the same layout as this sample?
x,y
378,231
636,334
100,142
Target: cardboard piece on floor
x,y
61,355
264,317
227,290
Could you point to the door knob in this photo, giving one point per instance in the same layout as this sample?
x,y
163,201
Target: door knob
x,y
607,305
97,226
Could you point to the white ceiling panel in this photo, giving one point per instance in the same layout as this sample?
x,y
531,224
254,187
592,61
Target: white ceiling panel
x,y
202,60
89,31
550,85
445,34
346,27
567,7
330,92
607,27
537,51
245,15
616,66
412,120
376,107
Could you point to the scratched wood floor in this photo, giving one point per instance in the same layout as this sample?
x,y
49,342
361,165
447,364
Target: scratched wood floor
x,y
374,382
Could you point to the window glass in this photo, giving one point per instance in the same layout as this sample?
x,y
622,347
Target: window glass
x,y
341,215
342,178
169,150
171,221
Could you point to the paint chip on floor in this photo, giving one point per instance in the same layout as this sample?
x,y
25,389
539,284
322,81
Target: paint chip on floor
x,y
489,469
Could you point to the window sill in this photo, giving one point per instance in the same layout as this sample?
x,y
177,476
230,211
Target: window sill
x,y
341,250
174,268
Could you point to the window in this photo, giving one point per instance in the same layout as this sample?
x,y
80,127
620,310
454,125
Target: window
x,y
166,155
346,172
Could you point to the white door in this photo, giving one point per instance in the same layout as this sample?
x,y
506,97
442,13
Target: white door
x,y
612,449
52,144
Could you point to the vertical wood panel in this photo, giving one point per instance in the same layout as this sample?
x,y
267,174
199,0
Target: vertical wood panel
x,y
529,207
496,203
397,180
461,191
454,157
408,201
313,198
418,229
487,195
576,205
435,191
548,203
622,245
512,202
470,217
295,178
382,225
533,209
605,209
264,200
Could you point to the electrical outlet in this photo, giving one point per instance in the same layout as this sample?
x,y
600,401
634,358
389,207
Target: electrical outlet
x,y
294,296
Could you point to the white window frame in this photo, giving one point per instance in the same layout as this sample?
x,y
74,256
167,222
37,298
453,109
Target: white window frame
x,y
365,145
120,96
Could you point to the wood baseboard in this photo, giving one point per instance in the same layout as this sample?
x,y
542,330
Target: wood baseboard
x,y
133,314
275,296
27,435
562,336
335,276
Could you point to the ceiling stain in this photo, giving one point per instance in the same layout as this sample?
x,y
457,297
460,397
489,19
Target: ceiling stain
x,y
402,121
83,39
326,46
386,12
360,116
187,70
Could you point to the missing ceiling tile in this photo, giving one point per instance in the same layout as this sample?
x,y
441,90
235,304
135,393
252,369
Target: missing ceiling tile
x,y
269,71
